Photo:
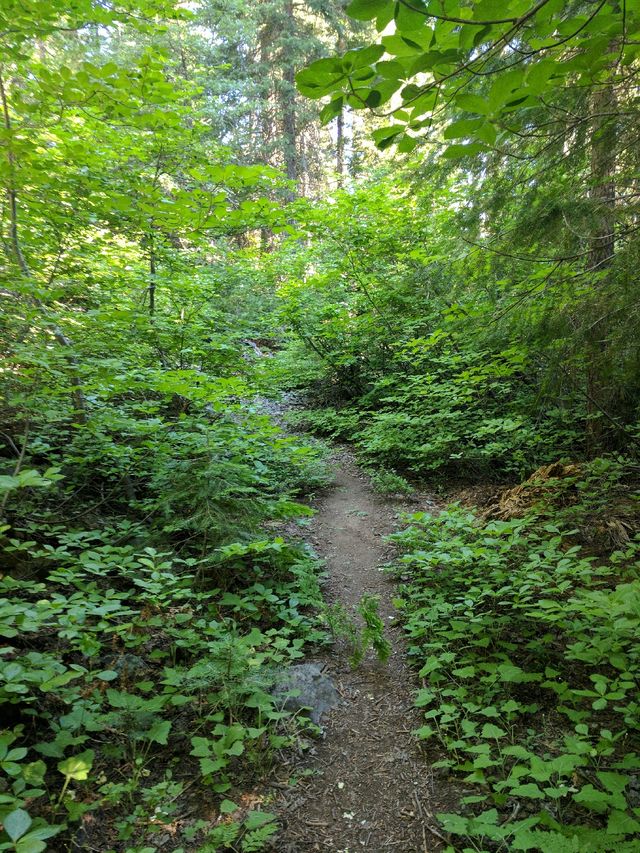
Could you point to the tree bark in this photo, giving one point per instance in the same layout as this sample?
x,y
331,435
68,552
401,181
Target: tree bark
x,y
288,107
602,194
340,149
152,277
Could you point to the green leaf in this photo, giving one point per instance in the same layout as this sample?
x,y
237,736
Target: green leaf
x,y
17,823
473,104
529,790
255,819
59,680
228,806
621,823
320,78
504,85
454,823
407,144
455,152
30,844
236,748
331,110
411,18
107,675
461,128
201,747
491,731
591,798
614,782
362,57
77,767
373,99
367,10
401,46
159,732
425,732
383,133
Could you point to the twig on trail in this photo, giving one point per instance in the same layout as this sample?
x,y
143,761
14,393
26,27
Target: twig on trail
x,y
513,814
425,825
422,821
435,832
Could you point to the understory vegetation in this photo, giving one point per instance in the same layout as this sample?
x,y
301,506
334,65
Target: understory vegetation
x,y
526,643
419,219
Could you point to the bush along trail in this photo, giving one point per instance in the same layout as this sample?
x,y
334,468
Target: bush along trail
x,y
139,658
527,647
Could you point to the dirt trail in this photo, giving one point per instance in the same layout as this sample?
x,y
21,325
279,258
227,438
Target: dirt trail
x,y
370,787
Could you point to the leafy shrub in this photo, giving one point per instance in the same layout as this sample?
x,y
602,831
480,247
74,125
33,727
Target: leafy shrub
x,y
157,624
528,651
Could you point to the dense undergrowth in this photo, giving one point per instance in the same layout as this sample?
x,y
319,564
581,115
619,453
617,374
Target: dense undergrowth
x,y
527,647
141,636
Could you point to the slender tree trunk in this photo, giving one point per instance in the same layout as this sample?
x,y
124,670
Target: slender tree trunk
x,y
602,247
289,131
264,122
340,136
152,277
288,107
77,394
340,149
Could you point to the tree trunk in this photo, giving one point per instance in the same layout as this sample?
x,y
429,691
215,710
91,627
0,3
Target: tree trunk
x,y
288,107
340,149
152,277
77,394
601,252
264,122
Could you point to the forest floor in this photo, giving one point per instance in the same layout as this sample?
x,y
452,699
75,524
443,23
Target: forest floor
x,y
365,785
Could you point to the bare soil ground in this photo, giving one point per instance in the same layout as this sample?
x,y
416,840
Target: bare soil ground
x,y
369,787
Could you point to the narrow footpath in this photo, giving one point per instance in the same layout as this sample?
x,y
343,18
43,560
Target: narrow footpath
x,y
368,785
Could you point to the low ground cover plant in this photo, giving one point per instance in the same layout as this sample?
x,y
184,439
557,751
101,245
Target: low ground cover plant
x,y
526,644
137,653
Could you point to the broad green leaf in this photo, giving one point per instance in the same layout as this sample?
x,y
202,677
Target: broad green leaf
x,y
462,128
454,152
456,824
367,10
411,18
16,824
473,103
77,767
383,133
107,675
530,790
401,46
621,823
159,732
361,58
255,819
320,78
491,731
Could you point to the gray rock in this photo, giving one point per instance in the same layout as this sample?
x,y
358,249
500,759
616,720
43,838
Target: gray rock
x,y
126,665
304,686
